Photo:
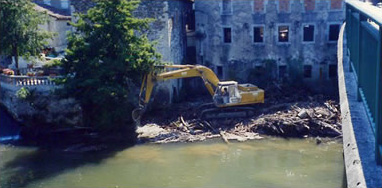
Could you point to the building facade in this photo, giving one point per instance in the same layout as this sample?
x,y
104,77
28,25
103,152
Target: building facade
x,y
168,31
273,39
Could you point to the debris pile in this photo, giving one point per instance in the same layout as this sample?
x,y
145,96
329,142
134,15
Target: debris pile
x,y
301,120
285,114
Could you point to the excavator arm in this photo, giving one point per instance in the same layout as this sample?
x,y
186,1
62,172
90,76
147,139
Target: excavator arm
x,y
179,71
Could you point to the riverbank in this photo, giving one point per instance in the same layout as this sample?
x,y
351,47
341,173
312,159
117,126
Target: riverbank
x,y
286,113
293,113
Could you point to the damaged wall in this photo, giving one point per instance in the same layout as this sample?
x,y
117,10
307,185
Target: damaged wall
x,y
169,32
248,50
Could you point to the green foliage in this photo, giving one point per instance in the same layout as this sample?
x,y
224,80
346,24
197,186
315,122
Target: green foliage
x,y
23,93
108,49
19,29
53,63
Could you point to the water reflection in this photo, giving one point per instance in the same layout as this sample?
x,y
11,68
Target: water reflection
x,y
261,163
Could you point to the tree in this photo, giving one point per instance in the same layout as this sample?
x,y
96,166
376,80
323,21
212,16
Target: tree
x,y
19,29
108,50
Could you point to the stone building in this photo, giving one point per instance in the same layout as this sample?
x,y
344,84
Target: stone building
x,y
59,15
271,39
169,32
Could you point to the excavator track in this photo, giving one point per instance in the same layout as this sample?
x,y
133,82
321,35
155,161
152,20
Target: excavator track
x,y
227,113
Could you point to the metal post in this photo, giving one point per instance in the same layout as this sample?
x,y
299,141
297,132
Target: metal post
x,y
378,110
349,24
360,48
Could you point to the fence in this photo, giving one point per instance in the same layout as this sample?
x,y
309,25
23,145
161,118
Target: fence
x,y
364,37
27,80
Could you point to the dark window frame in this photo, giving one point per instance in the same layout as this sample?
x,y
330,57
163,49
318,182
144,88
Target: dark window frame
x,y
226,7
308,37
332,72
308,71
333,37
259,39
227,40
219,71
280,38
282,69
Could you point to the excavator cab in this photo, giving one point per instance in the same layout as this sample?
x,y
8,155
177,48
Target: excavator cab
x,y
227,94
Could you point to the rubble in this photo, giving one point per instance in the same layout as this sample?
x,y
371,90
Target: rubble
x,y
284,114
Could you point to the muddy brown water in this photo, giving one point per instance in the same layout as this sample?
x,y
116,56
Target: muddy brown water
x,y
267,163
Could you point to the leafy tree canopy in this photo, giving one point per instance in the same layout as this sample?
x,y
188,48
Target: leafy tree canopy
x,y
107,51
19,29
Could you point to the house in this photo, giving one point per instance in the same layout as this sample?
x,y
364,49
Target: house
x,y
59,13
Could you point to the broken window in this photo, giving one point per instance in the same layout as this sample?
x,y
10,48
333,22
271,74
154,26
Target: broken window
x,y
283,33
307,71
334,31
332,71
227,35
219,70
227,7
258,34
308,35
282,71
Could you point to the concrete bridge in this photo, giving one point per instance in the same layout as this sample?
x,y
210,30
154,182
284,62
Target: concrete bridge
x,y
360,85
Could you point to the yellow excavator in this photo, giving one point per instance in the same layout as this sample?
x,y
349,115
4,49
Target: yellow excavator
x,y
230,99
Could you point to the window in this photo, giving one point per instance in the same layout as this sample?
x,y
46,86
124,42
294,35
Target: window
x,y
219,70
282,71
258,34
307,71
227,7
227,35
283,33
335,4
309,5
284,6
332,71
308,35
334,31
258,6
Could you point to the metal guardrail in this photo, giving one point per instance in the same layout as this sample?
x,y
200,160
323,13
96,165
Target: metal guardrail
x,y
27,80
364,37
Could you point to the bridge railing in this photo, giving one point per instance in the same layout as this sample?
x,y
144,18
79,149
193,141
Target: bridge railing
x,y
364,41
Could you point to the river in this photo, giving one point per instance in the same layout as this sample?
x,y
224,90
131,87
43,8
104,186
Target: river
x,y
267,163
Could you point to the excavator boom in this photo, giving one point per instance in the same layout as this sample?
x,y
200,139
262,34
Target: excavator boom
x,y
225,94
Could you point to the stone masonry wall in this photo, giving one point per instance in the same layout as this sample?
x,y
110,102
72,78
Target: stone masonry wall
x,y
242,57
41,108
168,31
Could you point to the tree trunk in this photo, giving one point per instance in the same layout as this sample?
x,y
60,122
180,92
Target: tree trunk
x,y
16,55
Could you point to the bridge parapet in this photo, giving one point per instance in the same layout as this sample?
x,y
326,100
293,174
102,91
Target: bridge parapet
x,y
364,42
